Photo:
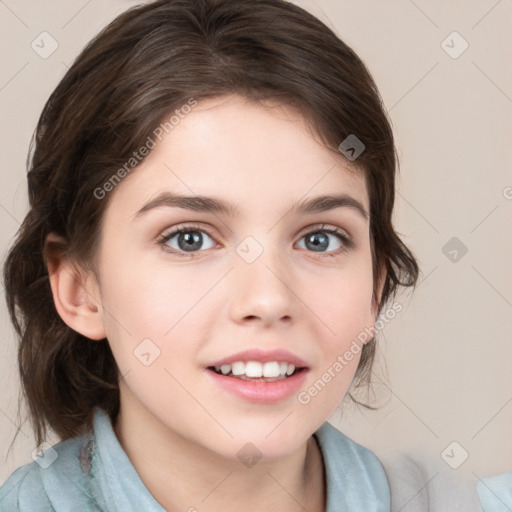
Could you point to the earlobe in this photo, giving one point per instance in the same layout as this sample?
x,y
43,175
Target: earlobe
x,y
75,291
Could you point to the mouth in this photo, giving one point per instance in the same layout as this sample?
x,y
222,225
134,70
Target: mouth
x,y
256,371
259,376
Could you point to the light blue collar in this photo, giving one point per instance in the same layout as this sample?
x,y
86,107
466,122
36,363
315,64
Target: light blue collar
x,y
92,473
495,493
355,477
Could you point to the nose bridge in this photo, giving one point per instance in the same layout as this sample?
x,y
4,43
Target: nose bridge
x,y
262,281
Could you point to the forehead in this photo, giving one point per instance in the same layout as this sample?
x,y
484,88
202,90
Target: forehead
x,y
251,155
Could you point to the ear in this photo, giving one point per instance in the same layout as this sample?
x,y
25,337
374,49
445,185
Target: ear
x,y
75,291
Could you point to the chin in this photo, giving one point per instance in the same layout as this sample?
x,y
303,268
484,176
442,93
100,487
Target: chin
x,y
268,439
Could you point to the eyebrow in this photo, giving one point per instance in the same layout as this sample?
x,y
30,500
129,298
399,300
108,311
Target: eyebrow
x,y
209,204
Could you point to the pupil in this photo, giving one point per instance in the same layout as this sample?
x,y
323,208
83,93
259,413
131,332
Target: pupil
x,y
318,240
192,240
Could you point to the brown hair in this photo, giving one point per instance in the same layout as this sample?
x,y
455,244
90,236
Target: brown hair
x,y
149,61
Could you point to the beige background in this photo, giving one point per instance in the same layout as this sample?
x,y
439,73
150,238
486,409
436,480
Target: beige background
x,y
448,353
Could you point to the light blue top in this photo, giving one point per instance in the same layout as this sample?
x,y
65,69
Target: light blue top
x,y
496,493
93,473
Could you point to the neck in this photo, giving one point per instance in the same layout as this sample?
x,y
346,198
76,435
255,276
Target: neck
x,y
181,475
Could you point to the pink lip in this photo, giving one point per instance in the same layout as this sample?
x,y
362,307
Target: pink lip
x,y
263,356
260,392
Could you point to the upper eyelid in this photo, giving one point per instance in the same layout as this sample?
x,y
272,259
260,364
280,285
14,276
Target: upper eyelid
x,y
318,226
185,227
325,227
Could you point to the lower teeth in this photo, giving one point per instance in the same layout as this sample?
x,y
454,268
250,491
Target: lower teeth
x,y
264,379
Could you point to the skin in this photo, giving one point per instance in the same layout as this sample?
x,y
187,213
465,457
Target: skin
x,y
182,433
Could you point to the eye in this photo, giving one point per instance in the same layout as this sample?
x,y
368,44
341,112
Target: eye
x,y
326,240
191,239
187,239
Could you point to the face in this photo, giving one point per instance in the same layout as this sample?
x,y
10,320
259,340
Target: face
x,y
262,275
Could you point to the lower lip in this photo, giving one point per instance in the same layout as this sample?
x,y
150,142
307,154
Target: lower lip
x,y
259,391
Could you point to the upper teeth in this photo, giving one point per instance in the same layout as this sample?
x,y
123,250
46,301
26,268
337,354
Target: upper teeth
x,y
257,369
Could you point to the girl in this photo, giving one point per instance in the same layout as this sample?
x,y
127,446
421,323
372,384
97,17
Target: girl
x,y
196,284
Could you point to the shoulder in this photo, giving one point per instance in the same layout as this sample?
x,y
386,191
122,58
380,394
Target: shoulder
x,y
409,482
420,483
24,491
495,492
52,482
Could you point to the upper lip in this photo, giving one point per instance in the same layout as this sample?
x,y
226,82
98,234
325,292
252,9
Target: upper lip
x,y
263,356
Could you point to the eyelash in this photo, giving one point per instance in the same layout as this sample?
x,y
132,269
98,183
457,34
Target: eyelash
x,y
346,240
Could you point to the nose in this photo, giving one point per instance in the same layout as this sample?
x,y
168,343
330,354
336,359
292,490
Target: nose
x,y
262,291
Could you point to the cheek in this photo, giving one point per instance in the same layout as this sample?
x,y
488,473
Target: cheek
x,y
149,299
342,302
144,303
343,306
